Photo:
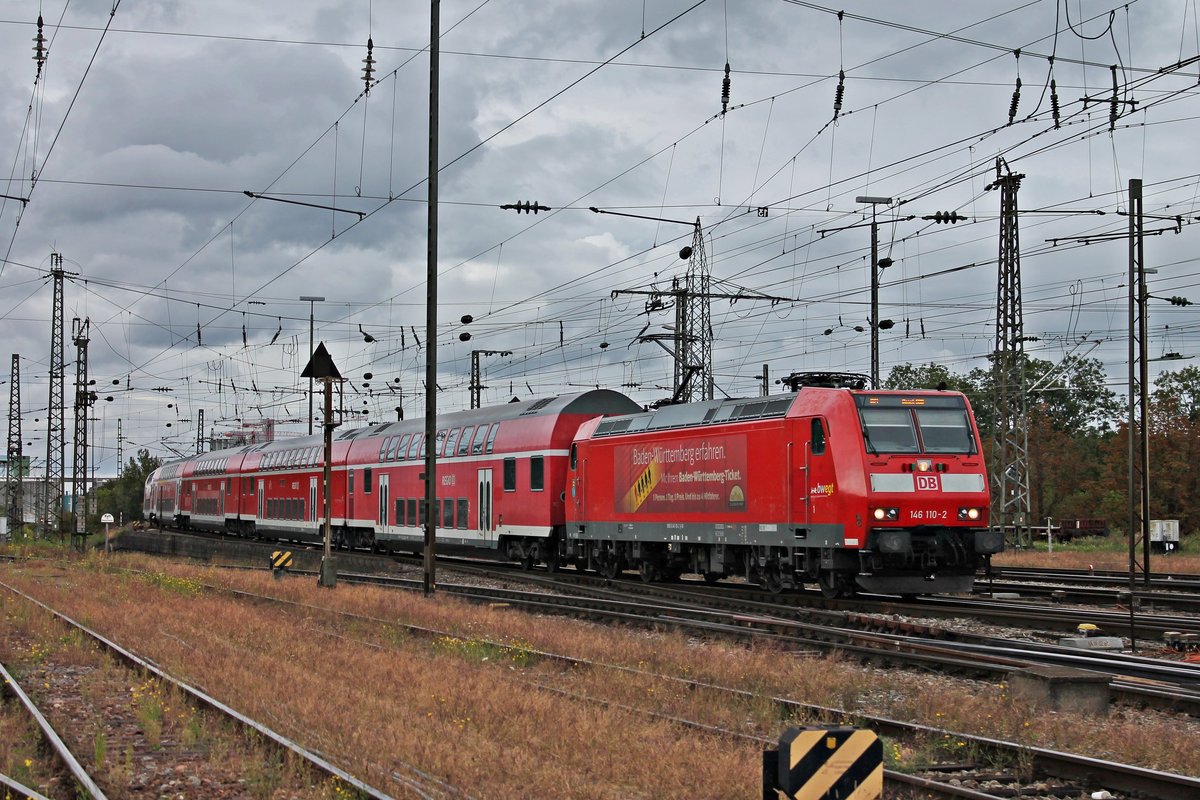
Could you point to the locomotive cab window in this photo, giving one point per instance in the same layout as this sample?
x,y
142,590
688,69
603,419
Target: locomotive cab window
x,y
945,430
574,455
510,474
818,437
889,430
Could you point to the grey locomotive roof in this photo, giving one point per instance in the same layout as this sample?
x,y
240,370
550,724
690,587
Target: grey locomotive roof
x,y
689,415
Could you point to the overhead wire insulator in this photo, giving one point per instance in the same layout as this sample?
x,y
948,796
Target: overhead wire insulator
x,y
39,49
1016,100
1114,103
368,65
725,91
840,94
950,217
1054,109
525,207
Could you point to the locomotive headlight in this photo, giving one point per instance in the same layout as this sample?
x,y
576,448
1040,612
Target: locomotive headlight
x,y
924,465
969,514
882,514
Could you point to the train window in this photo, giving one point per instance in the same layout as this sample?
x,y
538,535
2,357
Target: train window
x,y
402,449
392,447
889,430
349,481
367,482
818,437
464,442
480,437
492,431
537,473
452,441
420,514
439,442
251,492
400,512
411,502
383,448
464,509
510,474
416,447
448,512
945,430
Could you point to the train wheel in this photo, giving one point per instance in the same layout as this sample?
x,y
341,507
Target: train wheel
x,y
610,567
834,585
527,560
648,571
772,580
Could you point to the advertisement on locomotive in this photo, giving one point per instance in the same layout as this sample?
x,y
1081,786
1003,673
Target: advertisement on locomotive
x,y
694,475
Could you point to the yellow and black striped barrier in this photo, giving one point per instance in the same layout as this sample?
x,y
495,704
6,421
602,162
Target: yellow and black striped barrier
x,y
281,562
824,764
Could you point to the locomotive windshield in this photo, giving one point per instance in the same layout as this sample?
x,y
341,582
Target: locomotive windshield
x,y
900,425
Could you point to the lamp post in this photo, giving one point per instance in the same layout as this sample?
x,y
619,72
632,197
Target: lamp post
x,y
875,202
310,299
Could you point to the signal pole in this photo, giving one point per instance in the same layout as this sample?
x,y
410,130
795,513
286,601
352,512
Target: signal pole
x,y
431,302
1139,401
875,202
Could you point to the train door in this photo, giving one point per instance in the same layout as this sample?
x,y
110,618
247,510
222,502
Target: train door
x,y
486,529
382,516
178,499
261,497
819,485
577,484
314,515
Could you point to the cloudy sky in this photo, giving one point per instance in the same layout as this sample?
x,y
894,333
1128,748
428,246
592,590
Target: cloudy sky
x,y
148,123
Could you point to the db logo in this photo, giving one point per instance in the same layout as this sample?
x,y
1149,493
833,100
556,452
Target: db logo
x,y
927,483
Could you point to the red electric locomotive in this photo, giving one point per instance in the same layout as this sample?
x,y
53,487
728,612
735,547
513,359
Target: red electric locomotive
x,y
880,490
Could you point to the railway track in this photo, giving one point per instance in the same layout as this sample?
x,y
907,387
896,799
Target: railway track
x,y
860,628
88,785
1057,766
1163,581
1072,772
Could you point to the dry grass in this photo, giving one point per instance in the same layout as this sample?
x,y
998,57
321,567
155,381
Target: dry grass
x,y
1069,558
473,705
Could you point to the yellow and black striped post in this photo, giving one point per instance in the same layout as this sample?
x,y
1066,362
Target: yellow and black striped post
x,y
281,561
824,764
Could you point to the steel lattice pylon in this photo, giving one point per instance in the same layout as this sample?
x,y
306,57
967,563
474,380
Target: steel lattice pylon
x,y
83,402
15,478
50,503
693,364
1139,401
1010,441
